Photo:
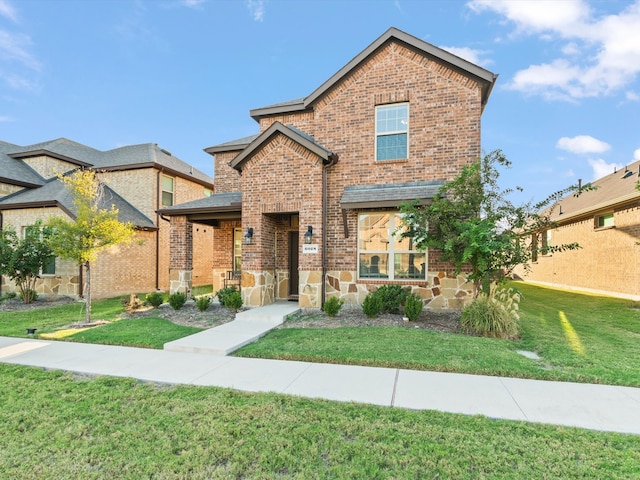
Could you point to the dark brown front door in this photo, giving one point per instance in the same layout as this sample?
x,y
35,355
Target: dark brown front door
x,y
294,245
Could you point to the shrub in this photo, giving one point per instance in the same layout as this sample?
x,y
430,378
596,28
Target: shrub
x,y
392,297
203,302
493,316
155,299
177,300
413,307
332,306
233,301
28,296
223,294
372,305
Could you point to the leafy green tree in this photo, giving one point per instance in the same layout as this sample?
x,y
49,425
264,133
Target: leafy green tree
x,y
93,229
22,260
476,227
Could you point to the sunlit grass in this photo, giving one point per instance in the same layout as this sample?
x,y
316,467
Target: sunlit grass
x,y
570,334
62,426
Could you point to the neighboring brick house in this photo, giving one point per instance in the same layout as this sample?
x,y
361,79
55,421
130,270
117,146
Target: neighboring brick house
x,y
138,180
605,222
306,208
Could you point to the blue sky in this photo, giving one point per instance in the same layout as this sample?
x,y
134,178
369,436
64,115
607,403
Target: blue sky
x,y
185,73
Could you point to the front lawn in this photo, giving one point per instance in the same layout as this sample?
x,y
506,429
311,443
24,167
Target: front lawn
x,y
60,425
582,338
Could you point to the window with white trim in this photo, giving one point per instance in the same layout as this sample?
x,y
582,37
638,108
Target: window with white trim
x,y
383,253
392,128
167,191
604,221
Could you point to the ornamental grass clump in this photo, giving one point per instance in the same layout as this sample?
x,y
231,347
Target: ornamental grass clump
x,y
494,316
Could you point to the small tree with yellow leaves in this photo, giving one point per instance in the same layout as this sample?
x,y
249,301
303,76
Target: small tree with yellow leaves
x,y
93,229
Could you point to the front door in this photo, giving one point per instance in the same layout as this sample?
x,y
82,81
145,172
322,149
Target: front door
x,y
294,245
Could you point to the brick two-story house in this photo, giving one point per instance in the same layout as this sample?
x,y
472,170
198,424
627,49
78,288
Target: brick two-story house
x,y
605,222
307,208
138,180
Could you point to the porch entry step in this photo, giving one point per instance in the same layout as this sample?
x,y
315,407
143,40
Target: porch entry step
x,y
248,327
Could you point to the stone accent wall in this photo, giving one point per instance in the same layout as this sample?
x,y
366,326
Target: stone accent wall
x,y
180,281
439,291
310,289
607,261
282,290
258,287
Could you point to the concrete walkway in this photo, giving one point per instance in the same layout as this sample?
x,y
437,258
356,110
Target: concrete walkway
x,y
248,327
597,407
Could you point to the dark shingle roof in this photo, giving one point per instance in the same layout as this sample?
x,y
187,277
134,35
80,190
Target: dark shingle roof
x,y
15,171
131,156
389,195
230,201
52,193
232,145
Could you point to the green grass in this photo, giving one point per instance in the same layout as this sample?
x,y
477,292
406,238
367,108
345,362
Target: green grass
x,y
56,425
148,332
581,338
140,332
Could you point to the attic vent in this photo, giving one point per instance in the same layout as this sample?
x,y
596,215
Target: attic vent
x,y
166,152
627,174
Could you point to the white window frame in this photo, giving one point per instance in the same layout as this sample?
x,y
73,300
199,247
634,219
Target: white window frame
x,y
391,252
385,133
172,191
606,219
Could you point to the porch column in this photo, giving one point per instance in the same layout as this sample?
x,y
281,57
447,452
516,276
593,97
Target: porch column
x,y
181,255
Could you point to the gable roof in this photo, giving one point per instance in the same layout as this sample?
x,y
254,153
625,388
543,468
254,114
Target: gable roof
x,y
53,194
123,158
16,172
291,132
614,189
486,78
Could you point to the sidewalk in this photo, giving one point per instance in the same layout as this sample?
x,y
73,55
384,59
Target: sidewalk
x,y
597,407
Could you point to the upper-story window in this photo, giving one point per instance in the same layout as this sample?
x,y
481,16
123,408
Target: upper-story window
x,y
392,128
604,221
167,191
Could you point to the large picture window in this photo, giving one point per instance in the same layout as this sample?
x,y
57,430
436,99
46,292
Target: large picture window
x,y
385,255
392,127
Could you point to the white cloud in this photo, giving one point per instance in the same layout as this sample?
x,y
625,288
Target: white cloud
x,y
15,47
582,144
192,3
5,118
636,155
7,11
602,168
604,50
632,96
469,54
256,8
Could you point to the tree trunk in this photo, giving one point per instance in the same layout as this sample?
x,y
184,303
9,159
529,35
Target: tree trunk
x,y
87,310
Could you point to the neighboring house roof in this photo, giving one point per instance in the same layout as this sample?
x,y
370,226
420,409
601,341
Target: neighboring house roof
x,y
15,171
614,189
293,133
486,78
218,202
233,145
54,194
388,195
122,158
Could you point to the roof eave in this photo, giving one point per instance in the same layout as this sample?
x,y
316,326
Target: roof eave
x,y
258,113
564,218
48,153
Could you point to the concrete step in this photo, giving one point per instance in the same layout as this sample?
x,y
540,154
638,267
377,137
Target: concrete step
x,y
248,327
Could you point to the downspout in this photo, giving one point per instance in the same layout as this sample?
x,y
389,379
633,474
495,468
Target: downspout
x,y
158,193
333,159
